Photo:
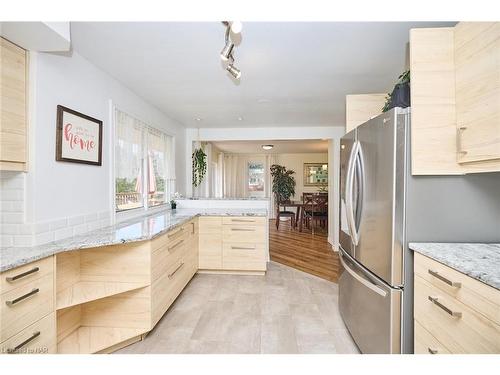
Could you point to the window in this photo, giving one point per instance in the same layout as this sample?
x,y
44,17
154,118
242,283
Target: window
x,y
144,164
256,176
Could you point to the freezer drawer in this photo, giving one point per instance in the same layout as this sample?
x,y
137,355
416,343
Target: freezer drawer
x,y
370,309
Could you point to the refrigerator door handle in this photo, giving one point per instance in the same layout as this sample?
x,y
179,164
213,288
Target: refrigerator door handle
x,y
360,175
348,193
361,279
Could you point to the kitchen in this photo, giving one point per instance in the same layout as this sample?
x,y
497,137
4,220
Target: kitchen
x,y
139,207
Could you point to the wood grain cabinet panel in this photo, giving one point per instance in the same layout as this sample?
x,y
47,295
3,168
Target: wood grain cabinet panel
x,y
13,124
478,296
458,327
425,343
244,256
477,70
23,306
210,243
38,338
26,274
433,118
361,108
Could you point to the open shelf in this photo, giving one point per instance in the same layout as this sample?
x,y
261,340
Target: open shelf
x,y
88,340
86,291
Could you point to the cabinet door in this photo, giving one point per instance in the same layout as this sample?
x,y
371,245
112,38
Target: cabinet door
x,y
477,70
210,243
13,128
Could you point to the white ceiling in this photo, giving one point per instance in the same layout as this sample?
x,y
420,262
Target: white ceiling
x,y
280,147
293,73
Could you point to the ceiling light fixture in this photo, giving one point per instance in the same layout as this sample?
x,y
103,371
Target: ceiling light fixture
x,y
240,118
267,147
227,52
198,119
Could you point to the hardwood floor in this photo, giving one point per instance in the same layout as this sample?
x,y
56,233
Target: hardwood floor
x,y
304,251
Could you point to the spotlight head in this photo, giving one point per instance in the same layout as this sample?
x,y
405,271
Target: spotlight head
x,y
235,72
236,27
226,51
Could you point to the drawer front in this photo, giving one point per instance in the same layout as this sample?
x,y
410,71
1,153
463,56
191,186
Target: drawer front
x,y
172,235
38,338
23,275
168,254
210,251
425,343
210,224
244,233
243,256
25,305
166,289
243,220
475,294
455,325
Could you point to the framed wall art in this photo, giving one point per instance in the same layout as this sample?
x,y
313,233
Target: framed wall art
x,y
315,174
78,137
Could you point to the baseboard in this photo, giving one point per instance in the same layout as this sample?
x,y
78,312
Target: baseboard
x,y
230,272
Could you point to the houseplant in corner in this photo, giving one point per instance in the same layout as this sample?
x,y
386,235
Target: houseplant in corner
x,y
283,183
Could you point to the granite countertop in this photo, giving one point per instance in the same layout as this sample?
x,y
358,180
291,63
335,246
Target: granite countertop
x,y
224,199
136,229
477,260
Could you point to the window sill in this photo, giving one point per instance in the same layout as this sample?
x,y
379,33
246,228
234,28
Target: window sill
x,y
139,211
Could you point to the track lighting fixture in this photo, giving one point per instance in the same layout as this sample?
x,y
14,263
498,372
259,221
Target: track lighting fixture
x,y
234,71
227,52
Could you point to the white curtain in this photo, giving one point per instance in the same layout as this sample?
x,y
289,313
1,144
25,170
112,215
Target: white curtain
x,y
235,176
128,146
270,160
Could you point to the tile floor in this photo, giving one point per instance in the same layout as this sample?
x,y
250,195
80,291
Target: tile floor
x,y
286,311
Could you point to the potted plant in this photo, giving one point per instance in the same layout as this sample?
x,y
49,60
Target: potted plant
x,y
400,96
199,160
283,183
173,203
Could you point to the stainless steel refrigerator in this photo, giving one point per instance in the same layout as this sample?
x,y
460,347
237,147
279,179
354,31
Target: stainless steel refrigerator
x,y
374,166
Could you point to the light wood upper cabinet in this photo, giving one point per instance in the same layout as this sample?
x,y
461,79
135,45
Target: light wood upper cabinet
x,y
433,121
361,108
477,73
455,99
13,125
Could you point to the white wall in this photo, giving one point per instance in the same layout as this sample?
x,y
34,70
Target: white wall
x,y
61,195
296,162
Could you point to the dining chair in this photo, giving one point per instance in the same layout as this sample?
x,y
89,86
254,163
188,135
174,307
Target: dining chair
x,y
315,209
284,213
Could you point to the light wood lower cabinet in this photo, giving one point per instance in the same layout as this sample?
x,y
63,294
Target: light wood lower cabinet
x,y
233,244
26,301
38,338
101,299
453,312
